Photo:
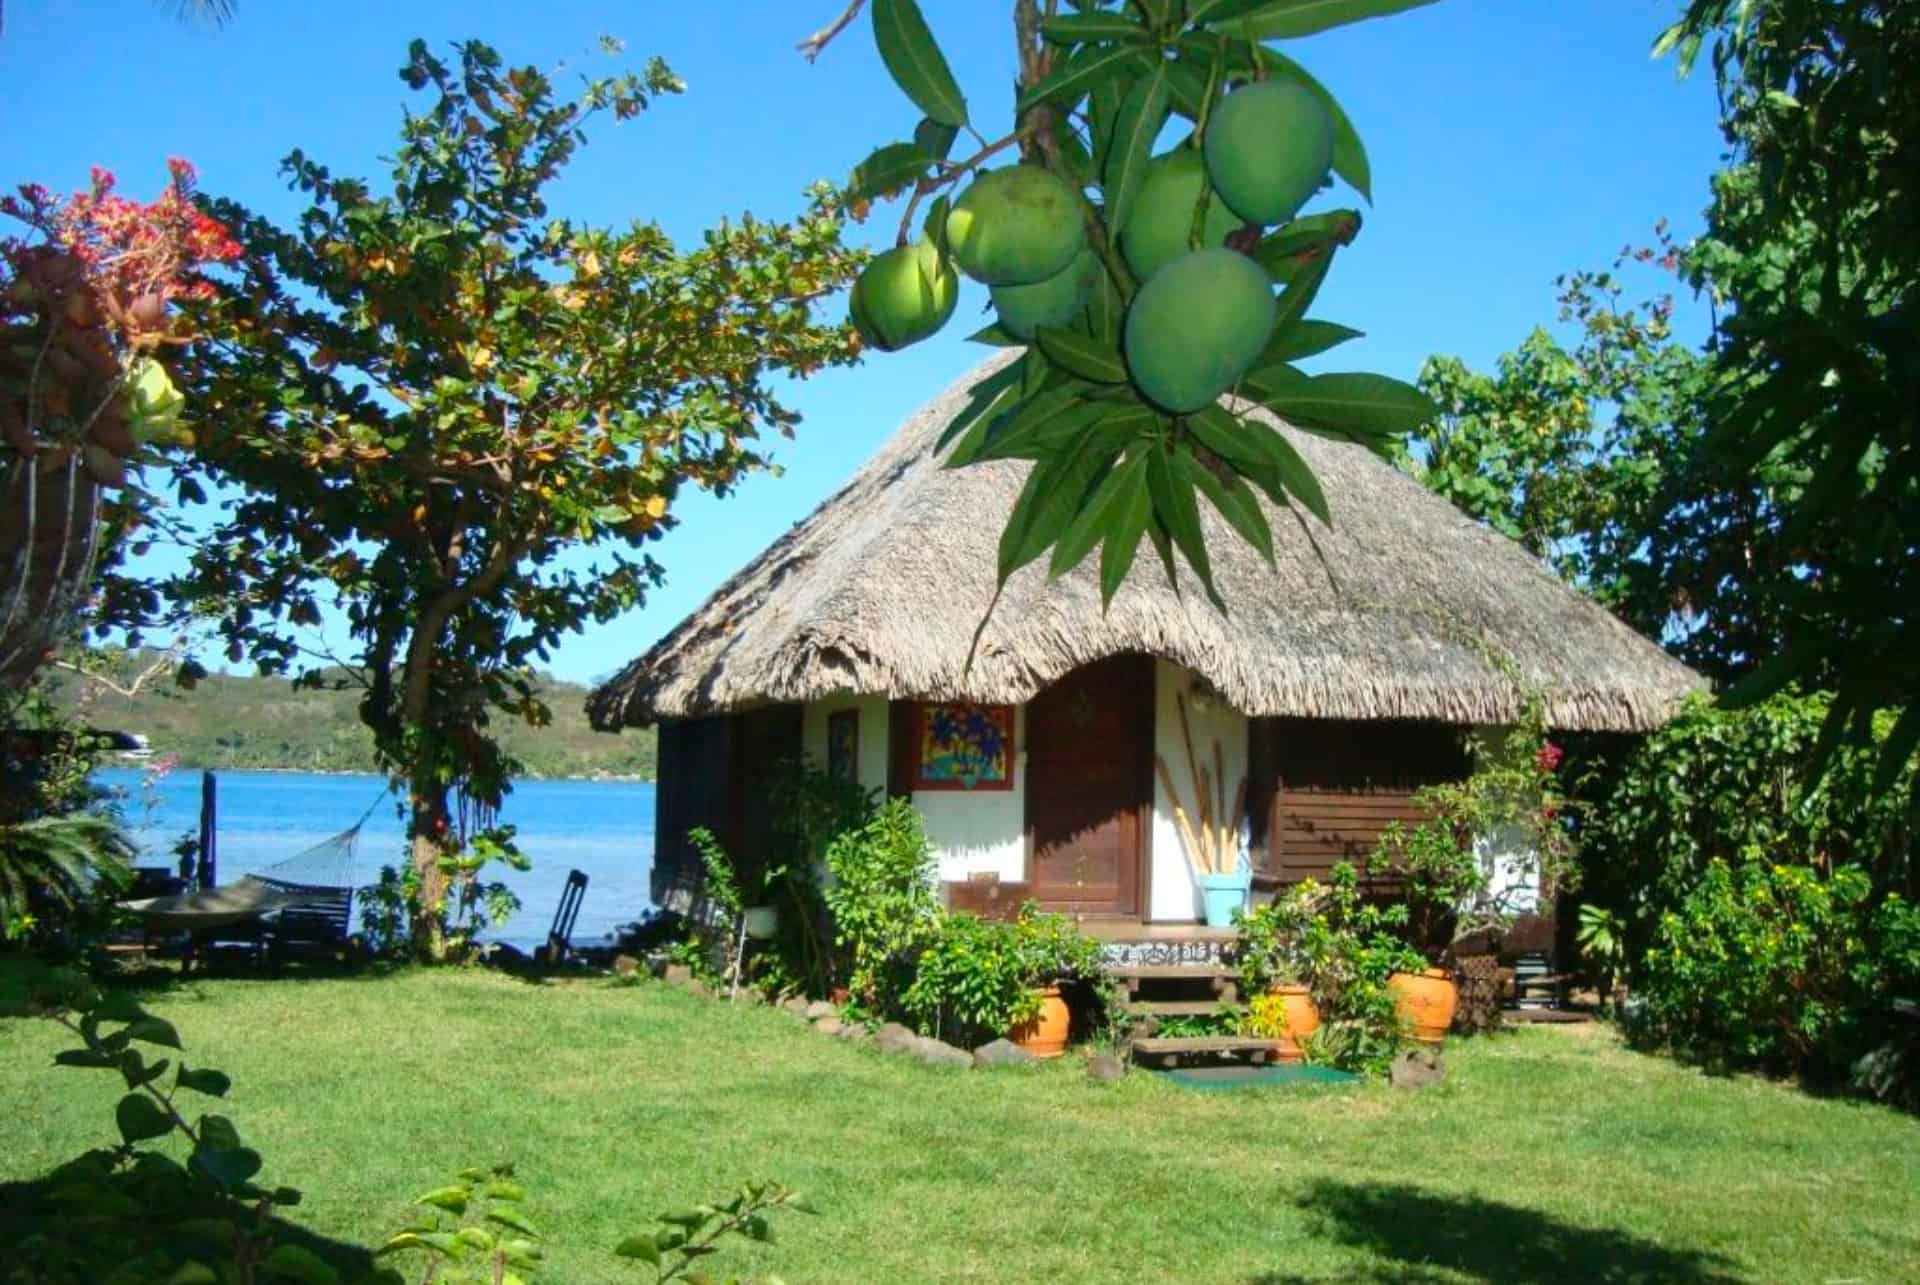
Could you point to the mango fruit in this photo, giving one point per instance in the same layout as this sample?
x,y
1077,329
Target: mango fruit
x,y
1016,226
903,296
1197,326
1053,302
1268,148
1161,220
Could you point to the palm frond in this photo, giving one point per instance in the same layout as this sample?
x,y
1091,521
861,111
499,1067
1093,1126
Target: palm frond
x,y
63,857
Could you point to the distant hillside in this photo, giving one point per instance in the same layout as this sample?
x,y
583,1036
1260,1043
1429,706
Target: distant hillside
x,y
228,721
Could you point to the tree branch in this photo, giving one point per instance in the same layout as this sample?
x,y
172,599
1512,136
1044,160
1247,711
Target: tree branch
x,y
813,45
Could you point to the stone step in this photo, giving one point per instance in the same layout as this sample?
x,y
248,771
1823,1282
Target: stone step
x,y
1169,972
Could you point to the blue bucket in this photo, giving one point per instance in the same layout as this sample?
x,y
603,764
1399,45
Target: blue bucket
x,y
1224,895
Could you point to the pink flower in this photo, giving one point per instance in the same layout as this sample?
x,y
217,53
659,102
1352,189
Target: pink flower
x,y
1548,758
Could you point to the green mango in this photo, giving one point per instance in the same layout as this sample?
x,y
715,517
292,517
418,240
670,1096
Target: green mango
x,y
1016,226
1160,223
1053,302
1197,326
903,296
1268,149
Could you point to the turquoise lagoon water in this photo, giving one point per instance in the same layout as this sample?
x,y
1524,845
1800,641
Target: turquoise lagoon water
x,y
604,828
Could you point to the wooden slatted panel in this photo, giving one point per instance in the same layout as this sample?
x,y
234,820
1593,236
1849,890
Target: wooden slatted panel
x,y
1323,791
691,791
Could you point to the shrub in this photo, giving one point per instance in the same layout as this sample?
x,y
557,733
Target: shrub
x,y
1716,783
1343,948
1510,805
979,977
1781,967
882,899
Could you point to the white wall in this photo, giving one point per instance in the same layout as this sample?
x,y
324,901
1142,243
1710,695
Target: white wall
x,y
1174,894
872,765
971,830
978,830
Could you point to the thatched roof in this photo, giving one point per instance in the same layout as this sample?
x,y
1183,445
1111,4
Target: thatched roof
x,y
1414,612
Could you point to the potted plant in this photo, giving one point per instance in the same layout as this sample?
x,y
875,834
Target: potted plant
x,y
1313,965
987,977
1276,968
1493,847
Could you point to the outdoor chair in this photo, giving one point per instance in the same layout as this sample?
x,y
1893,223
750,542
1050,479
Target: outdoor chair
x,y
560,935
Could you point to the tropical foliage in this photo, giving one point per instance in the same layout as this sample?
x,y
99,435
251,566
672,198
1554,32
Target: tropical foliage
x,y
1342,947
1811,261
977,978
420,397
1098,85
1790,968
883,900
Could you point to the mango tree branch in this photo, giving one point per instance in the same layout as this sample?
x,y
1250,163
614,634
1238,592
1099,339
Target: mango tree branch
x,y
813,45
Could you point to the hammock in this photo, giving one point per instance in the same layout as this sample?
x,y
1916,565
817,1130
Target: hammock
x,y
320,878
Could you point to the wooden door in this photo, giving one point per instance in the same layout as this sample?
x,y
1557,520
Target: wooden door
x,y
1090,787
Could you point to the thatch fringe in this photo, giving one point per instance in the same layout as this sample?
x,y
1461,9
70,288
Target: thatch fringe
x,y
1405,609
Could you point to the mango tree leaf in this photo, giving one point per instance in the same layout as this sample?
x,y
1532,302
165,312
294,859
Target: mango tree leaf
x,y
1070,82
935,138
1367,405
1122,491
1105,311
914,60
1052,497
1301,291
934,227
1304,339
1263,455
1015,435
1123,542
217,1132
1175,508
140,1118
1084,28
887,170
1292,246
982,397
1103,110
1079,355
1234,500
996,336
1289,19
1187,85
1142,114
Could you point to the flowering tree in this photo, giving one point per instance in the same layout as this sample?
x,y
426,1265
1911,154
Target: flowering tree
x,y
421,398
88,298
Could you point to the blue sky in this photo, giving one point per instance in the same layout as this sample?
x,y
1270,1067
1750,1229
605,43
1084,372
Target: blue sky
x,y
1511,140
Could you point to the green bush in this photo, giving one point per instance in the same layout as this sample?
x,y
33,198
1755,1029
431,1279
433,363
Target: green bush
x,y
1343,948
1781,967
1715,783
978,978
883,901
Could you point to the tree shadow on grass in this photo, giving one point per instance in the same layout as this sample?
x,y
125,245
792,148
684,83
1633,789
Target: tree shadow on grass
x,y
1433,1237
39,1228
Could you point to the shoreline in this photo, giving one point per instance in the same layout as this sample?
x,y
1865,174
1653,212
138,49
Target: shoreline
x,y
140,765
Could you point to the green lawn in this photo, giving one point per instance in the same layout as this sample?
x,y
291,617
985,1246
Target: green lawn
x,y
1548,1155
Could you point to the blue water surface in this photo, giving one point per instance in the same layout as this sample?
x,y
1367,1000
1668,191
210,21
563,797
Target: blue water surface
x,y
604,828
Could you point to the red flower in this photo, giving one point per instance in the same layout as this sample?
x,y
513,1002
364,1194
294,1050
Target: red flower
x,y
1548,758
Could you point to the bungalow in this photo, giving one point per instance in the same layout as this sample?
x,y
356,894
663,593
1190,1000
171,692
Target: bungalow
x,y
1338,683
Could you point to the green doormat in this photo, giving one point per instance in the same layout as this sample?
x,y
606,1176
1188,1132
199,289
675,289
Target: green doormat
x,y
1242,1077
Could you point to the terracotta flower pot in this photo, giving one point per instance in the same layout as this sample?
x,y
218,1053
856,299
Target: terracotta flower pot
x,y
1303,1019
1045,1035
1426,1001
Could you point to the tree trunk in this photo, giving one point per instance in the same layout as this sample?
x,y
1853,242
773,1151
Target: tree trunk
x,y
432,838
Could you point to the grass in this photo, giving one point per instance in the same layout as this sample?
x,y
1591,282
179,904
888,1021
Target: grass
x,y
1548,1154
